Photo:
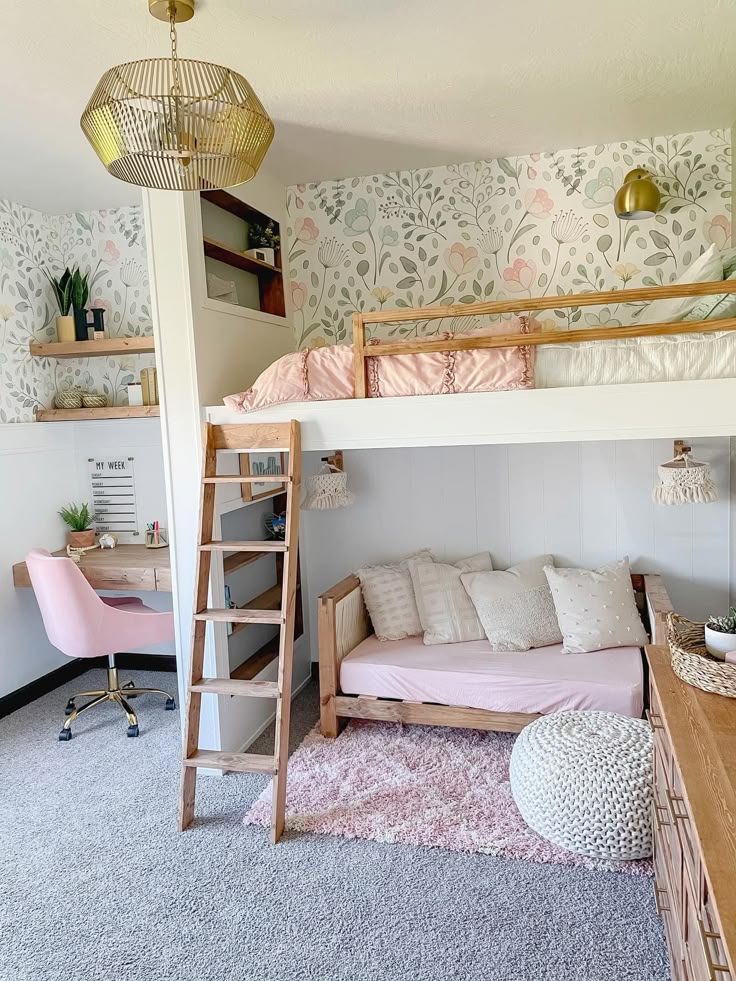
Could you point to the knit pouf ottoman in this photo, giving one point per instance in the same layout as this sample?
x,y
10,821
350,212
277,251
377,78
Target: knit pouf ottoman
x,y
583,780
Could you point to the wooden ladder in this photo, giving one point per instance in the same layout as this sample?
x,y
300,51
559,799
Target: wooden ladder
x,y
244,438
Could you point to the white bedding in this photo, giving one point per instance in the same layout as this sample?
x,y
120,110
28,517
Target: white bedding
x,y
637,359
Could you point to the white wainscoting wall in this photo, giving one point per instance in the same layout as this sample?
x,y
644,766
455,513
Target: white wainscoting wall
x,y
587,503
44,466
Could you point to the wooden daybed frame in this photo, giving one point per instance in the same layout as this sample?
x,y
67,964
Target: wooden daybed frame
x,y
343,623
362,351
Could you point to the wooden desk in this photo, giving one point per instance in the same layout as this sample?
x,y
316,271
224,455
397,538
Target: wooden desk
x,y
129,567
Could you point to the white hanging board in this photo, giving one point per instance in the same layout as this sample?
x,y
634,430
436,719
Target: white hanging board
x,y
112,485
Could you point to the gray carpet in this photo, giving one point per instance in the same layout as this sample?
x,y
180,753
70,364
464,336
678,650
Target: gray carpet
x,y
98,885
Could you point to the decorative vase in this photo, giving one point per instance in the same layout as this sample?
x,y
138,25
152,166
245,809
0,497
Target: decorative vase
x,y
719,644
68,400
90,400
98,320
65,329
81,329
80,539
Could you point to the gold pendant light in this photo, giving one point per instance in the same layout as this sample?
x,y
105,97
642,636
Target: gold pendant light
x,y
177,124
638,197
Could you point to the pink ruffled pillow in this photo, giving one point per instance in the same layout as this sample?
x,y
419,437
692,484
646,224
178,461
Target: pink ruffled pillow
x,y
326,373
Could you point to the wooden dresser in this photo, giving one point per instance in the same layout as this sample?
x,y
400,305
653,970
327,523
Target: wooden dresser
x,y
694,823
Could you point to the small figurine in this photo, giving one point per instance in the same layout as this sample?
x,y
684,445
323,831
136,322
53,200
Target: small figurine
x,y
108,540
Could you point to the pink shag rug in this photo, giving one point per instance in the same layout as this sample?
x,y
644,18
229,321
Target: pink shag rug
x,y
416,785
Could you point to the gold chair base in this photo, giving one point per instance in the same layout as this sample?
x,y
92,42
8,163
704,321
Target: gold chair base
x,y
113,693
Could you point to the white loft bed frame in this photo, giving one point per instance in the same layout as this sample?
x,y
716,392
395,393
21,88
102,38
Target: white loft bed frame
x,y
607,412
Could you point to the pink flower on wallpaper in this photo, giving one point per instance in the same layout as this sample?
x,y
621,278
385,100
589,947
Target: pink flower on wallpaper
x,y
110,252
520,276
461,258
305,230
101,304
718,231
298,295
538,203
531,173
535,156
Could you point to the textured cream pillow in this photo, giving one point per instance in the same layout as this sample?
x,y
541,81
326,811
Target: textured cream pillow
x,y
445,610
389,598
515,607
596,609
707,268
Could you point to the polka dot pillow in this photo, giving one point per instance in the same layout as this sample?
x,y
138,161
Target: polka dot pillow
x,y
596,609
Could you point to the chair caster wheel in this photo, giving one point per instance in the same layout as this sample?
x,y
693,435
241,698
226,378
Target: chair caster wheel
x,y
170,704
132,731
69,707
65,735
130,684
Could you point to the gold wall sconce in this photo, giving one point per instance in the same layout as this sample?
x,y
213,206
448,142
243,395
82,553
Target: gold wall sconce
x,y
638,196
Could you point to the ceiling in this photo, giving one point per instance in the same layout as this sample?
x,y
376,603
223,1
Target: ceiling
x,y
364,86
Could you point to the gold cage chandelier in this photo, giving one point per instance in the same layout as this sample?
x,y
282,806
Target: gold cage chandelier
x,y
177,124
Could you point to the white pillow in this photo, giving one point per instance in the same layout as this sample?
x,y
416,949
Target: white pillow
x,y
596,609
515,607
389,598
714,307
445,610
707,268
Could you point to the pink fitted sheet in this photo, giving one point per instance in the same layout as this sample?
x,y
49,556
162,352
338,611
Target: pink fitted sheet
x,y
471,675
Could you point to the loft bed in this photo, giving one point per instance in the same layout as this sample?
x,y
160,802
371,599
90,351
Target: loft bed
x,y
700,406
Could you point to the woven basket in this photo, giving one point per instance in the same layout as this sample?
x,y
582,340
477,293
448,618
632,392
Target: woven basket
x,y
692,663
92,401
68,400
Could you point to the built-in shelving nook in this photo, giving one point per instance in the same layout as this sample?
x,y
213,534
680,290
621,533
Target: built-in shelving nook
x,y
232,276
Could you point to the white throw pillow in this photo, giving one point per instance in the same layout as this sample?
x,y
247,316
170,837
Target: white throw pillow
x,y
515,607
389,598
707,268
445,610
596,609
714,307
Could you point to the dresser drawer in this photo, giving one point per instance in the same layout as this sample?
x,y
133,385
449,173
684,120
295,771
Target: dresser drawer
x,y
667,899
706,957
659,733
685,834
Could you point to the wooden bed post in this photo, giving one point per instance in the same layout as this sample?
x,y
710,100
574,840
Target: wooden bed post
x,y
359,356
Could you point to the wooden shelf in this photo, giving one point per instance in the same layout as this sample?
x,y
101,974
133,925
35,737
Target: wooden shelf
x,y
257,662
238,559
231,257
109,412
269,599
228,202
93,349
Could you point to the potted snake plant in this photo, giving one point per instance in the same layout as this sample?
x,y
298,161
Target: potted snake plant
x,y
62,287
720,636
79,518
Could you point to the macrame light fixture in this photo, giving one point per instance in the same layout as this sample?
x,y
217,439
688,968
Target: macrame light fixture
x,y
177,124
684,481
328,489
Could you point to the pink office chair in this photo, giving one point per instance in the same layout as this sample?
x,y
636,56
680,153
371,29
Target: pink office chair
x,y
82,624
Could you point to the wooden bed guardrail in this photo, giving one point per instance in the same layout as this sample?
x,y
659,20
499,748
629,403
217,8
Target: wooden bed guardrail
x,y
363,351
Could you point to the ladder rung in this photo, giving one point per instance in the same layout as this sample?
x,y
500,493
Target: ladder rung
x,y
275,478
230,686
239,762
241,616
244,547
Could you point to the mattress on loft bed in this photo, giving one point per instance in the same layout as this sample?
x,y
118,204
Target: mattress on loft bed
x,y
326,374
683,357
473,676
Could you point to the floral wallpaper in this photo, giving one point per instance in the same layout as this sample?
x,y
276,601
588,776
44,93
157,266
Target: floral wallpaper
x,y
542,224
110,245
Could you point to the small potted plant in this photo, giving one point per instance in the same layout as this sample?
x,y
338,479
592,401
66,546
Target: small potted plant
x,y
720,635
62,287
263,240
79,518
80,295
